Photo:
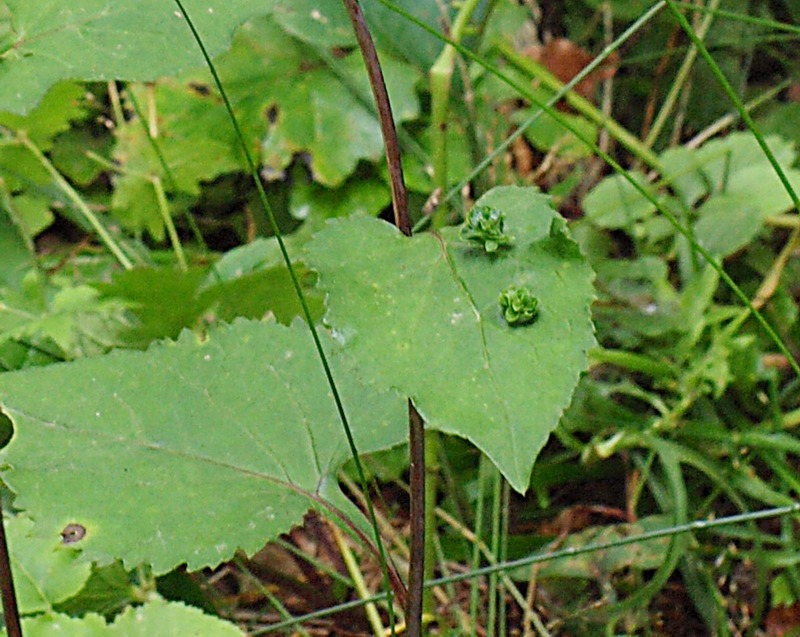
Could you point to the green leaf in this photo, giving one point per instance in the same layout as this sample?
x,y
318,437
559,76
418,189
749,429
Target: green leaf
x,y
73,317
404,38
105,40
320,22
364,194
288,103
163,301
545,134
157,617
190,450
45,570
737,215
17,256
107,592
288,98
616,203
61,105
422,315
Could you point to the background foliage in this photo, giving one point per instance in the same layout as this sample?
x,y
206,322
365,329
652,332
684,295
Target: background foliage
x,y
127,217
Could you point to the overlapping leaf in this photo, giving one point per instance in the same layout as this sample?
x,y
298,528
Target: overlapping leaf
x,y
288,103
156,617
106,40
422,315
45,571
188,451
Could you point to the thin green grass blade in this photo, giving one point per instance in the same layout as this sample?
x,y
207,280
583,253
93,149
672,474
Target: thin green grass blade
x,y
741,17
689,527
735,100
301,297
677,546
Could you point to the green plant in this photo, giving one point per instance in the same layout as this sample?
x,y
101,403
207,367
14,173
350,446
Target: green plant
x,y
107,454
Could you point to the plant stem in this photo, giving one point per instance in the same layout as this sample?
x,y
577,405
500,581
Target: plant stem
x,y
163,207
419,558
76,200
381,95
352,567
440,78
10,610
416,426
680,80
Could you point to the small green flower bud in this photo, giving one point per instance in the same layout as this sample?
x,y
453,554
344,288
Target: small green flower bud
x,y
519,306
484,226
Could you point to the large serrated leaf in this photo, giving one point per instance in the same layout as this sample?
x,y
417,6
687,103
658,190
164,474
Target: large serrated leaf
x,y
190,450
422,315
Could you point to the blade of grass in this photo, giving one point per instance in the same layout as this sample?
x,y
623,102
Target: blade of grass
x,y
440,78
678,84
585,72
361,587
677,546
474,593
77,201
688,527
166,217
393,584
741,17
581,105
268,594
170,177
497,486
770,283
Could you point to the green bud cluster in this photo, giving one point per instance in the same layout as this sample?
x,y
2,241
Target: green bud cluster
x,y
484,226
519,306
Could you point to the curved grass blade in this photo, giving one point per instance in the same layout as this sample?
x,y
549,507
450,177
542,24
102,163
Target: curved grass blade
x,y
537,558
262,195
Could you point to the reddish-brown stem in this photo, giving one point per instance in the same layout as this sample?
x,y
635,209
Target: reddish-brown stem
x,y
10,610
379,92
416,567
416,428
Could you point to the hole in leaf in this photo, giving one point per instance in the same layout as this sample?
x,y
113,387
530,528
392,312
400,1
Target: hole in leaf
x,y
272,113
6,429
73,533
201,89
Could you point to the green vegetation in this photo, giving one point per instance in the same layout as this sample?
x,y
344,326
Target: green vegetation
x,y
209,334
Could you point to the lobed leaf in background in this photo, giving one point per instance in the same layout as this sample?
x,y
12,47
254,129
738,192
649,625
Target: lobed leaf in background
x,y
249,281
423,316
189,451
288,102
26,187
